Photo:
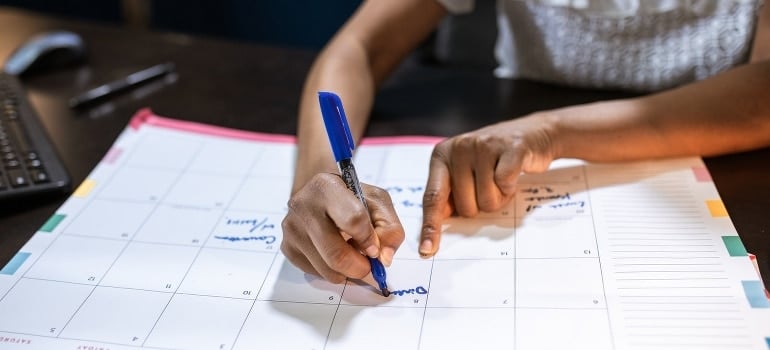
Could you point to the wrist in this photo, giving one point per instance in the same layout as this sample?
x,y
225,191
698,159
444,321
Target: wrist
x,y
553,133
305,170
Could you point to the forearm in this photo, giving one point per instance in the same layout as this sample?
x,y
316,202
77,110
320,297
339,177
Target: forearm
x,y
342,68
359,58
727,113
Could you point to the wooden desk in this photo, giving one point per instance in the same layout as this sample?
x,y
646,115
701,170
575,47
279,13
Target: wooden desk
x,y
253,87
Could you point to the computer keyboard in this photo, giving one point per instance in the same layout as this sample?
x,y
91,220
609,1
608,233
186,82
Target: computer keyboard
x,y
29,165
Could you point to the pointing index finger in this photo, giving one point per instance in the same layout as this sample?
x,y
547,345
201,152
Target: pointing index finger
x,y
435,205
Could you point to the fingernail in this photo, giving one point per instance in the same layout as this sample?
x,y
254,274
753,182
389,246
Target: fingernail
x,y
372,251
426,247
386,256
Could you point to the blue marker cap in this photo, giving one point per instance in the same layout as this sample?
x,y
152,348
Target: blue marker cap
x,y
336,125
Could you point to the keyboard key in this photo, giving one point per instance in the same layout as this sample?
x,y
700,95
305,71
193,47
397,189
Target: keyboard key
x,y
34,164
29,165
38,176
17,178
19,135
12,164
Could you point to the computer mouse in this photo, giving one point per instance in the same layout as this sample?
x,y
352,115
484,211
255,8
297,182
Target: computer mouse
x,y
46,51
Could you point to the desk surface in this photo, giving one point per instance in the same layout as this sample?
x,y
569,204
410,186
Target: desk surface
x,y
254,87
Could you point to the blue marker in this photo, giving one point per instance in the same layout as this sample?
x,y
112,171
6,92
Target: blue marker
x,y
342,146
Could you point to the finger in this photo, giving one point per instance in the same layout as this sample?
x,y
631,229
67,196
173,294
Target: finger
x,y
435,205
387,226
462,177
488,194
507,173
293,237
333,255
297,259
310,261
350,215
368,279
316,234
335,272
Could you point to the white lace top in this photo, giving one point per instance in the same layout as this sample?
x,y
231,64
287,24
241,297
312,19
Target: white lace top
x,y
628,44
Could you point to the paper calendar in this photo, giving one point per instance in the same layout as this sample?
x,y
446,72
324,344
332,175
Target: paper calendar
x,y
172,242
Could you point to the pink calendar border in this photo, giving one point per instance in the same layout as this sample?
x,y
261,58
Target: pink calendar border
x,y
145,116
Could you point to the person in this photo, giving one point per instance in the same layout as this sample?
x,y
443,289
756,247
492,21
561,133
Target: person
x,y
710,96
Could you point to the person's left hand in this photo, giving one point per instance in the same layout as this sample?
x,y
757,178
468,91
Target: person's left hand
x,y
478,171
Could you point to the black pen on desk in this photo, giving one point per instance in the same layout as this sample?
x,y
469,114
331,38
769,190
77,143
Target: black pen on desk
x,y
120,85
342,146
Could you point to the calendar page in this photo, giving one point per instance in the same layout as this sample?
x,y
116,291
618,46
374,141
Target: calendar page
x,y
173,242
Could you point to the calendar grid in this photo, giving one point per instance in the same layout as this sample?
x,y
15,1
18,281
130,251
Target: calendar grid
x,y
515,285
599,257
176,246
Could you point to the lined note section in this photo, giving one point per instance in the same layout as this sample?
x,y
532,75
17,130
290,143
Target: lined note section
x,y
663,258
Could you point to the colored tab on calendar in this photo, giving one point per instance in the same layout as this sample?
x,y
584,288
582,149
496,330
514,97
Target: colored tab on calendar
x,y
716,208
755,293
734,246
52,222
112,155
701,174
15,263
85,188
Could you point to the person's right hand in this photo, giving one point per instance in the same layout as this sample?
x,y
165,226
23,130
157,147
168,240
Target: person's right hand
x,y
327,229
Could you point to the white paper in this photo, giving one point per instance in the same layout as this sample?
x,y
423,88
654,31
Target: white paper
x,y
177,245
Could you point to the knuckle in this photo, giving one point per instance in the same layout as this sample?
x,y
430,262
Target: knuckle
x,y
286,222
519,144
320,183
293,204
368,241
438,153
431,197
442,146
484,141
399,235
291,225
502,178
507,188
464,141
286,250
294,256
378,193
357,220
